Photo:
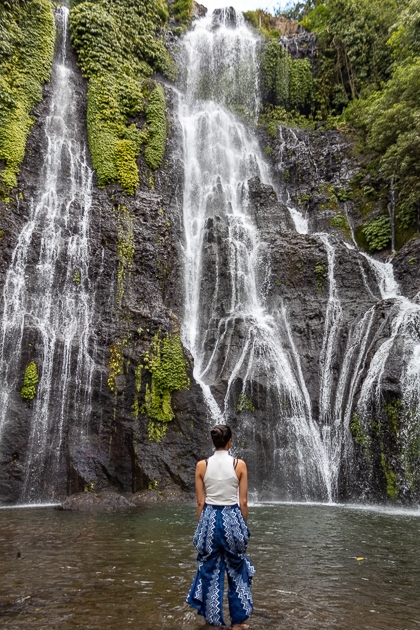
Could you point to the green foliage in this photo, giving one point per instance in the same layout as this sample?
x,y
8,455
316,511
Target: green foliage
x,y
244,404
182,10
367,80
377,233
340,222
168,367
407,215
30,380
353,37
295,10
27,36
155,115
388,119
119,46
286,82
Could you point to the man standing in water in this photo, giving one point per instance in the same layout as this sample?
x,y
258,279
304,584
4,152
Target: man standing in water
x,y
222,535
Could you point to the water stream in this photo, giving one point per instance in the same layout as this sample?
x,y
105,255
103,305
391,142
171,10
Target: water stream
x,y
238,344
47,296
227,327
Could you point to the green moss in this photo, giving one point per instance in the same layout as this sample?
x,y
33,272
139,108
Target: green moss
x,y
125,161
135,409
116,363
27,34
244,404
393,410
168,367
391,479
119,45
411,454
302,200
340,222
359,433
332,200
156,431
155,115
320,274
30,380
125,248
77,277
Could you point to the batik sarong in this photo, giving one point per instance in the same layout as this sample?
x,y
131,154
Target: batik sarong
x,y
221,540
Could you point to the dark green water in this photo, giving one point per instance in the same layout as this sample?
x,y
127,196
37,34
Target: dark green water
x,y
133,570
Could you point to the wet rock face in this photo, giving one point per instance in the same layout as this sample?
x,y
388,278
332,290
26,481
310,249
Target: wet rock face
x,y
225,16
136,296
300,44
407,269
130,310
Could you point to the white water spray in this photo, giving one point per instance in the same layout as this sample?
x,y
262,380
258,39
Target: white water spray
x,y
47,296
230,333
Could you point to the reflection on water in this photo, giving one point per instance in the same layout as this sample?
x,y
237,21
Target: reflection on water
x,y
68,570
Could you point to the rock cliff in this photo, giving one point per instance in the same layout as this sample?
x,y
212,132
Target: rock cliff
x,y
320,384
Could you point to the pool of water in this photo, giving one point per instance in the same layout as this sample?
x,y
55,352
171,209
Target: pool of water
x,y
121,570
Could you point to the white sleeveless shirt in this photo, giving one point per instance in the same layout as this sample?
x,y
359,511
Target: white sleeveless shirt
x,y
220,481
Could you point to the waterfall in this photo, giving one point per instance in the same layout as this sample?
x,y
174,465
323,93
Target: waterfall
x,y
245,355
235,341
47,296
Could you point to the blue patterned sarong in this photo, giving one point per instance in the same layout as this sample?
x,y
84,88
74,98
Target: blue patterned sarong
x,y
221,539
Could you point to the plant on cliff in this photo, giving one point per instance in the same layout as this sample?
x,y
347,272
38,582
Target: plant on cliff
x,y
119,45
30,381
320,274
286,82
125,248
116,364
378,233
27,36
359,433
155,116
244,404
368,70
352,36
168,368
388,120
181,10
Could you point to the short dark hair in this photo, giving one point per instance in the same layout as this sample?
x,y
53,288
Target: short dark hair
x,y
221,434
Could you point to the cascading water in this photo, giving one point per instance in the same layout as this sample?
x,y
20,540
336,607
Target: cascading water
x,y
47,297
233,338
244,351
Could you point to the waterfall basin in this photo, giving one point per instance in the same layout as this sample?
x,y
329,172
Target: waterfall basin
x,y
318,566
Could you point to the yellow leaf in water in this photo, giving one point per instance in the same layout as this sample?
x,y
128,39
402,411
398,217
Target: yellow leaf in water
x,y
360,558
